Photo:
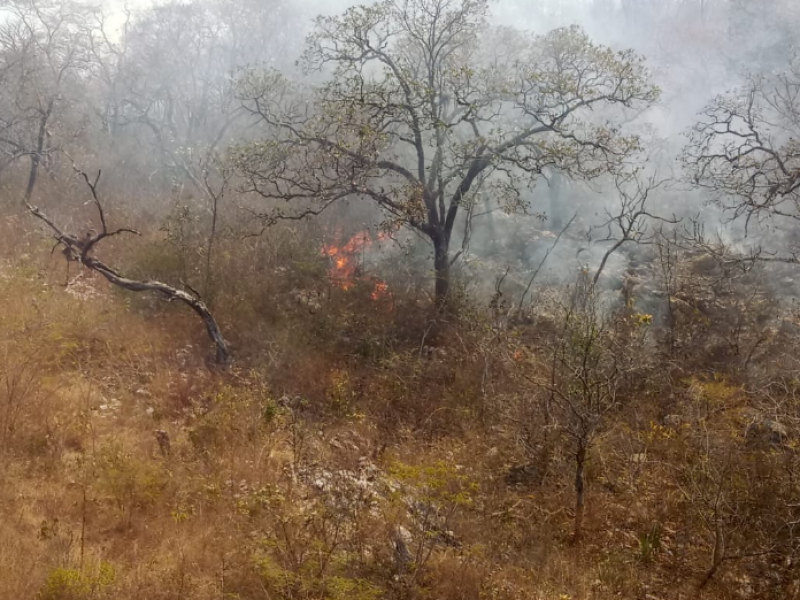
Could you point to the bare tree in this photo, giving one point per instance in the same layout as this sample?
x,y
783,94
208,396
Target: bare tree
x,y
183,107
212,174
631,220
427,103
79,248
746,152
43,59
108,63
734,491
592,363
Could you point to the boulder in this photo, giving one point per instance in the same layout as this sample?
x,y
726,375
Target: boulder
x,y
768,431
524,475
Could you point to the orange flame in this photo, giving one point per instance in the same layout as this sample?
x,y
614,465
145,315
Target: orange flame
x,y
345,262
381,290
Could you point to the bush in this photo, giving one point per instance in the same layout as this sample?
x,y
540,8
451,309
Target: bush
x,y
133,483
73,584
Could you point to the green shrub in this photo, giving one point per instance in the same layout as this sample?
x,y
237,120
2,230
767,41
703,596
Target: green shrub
x,y
73,584
344,588
650,544
133,482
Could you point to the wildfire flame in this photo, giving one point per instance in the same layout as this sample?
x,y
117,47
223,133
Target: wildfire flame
x,y
381,290
345,261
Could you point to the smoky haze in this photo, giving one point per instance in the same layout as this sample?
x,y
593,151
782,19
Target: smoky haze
x,y
150,92
399,300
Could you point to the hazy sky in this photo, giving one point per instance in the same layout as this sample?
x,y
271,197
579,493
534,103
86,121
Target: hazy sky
x,y
538,15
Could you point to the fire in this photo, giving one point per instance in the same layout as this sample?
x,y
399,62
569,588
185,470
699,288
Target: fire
x,y
381,290
345,261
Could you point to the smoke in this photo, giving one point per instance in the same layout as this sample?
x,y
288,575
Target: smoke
x,y
696,51
163,102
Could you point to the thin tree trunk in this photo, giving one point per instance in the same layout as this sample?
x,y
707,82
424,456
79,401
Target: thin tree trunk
x,y
78,250
36,156
717,555
209,285
603,262
580,491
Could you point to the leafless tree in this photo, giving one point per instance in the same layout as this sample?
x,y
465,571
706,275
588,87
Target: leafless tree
x,y
182,107
80,249
734,491
592,363
631,220
43,60
746,152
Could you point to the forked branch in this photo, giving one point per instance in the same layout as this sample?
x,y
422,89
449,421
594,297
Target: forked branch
x,y
78,249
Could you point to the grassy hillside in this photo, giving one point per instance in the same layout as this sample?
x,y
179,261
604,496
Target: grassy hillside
x,y
364,447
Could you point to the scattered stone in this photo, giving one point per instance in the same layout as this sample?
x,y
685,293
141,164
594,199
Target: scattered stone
x,y
767,431
290,402
82,289
434,352
310,300
109,407
367,488
524,475
674,421
404,535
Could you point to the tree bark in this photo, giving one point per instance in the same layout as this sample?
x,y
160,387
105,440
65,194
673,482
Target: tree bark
x,y
717,554
223,355
36,155
209,283
441,267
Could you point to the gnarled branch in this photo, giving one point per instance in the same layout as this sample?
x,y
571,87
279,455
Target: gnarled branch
x,y
78,249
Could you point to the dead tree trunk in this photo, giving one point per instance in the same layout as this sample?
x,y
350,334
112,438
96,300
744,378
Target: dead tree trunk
x,y
36,155
170,293
78,249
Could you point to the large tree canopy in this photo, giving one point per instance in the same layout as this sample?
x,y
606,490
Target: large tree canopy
x,y
426,103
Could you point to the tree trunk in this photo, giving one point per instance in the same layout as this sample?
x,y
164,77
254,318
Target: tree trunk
x,y
441,264
223,355
77,250
36,156
580,491
209,283
717,554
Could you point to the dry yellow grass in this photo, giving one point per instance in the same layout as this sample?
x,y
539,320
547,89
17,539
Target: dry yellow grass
x,y
290,475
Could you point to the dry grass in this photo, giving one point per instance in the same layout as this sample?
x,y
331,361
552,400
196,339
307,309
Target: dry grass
x,y
290,475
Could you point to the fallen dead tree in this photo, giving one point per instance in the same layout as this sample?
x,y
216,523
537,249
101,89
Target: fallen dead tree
x,y
79,249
